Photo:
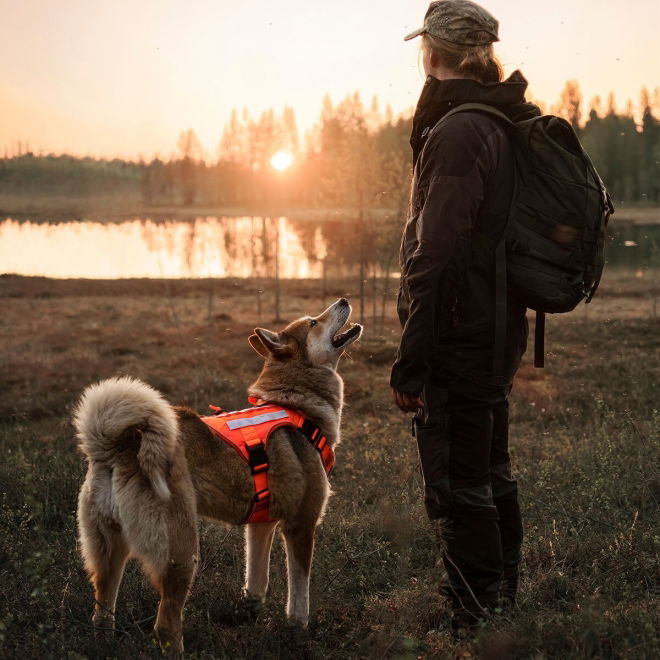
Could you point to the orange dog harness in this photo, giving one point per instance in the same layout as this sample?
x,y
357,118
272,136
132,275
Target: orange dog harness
x,y
248,431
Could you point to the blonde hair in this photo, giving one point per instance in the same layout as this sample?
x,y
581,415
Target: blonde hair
x,y
476,62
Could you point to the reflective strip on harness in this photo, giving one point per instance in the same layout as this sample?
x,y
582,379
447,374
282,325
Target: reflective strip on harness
x,y
257,419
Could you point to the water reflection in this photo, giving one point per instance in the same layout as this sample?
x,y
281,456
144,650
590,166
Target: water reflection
x,y
205,247
634,246
238,247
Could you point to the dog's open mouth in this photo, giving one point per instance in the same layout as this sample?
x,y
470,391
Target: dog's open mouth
x,y
344,337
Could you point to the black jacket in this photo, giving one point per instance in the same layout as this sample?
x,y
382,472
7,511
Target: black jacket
x,y
461,194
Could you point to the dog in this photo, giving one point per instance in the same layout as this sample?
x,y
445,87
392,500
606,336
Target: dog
x,y
154,468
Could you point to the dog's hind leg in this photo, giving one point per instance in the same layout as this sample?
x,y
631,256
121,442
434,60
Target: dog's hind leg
x,y
173,583
174,586
258,543
106,580
105,551
299,542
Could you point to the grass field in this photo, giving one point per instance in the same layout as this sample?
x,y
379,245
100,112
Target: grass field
x,y
584,438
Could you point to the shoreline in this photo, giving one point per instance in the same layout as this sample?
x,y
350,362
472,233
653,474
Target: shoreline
x,y
98,208
63,208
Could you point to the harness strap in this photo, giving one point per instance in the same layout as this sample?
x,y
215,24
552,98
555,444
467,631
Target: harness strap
x,y
258,463
320,443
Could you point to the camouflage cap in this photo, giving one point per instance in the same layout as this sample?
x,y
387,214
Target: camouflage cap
x,y
459,21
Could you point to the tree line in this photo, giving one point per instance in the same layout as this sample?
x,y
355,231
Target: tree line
x,y
355,159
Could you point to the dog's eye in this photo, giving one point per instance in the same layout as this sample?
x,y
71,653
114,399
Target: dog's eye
x,y
313,322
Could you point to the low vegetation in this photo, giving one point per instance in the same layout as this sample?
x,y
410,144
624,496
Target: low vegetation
x,y
584,440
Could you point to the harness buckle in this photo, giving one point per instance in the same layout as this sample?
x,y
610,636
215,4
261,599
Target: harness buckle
x,y
262,495
308,428
258,459
319,442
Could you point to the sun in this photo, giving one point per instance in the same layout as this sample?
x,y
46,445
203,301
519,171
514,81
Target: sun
x,y
281,161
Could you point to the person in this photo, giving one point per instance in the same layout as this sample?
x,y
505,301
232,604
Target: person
x,y
444,370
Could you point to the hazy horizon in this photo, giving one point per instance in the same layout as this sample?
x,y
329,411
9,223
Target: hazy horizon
x,y
125,81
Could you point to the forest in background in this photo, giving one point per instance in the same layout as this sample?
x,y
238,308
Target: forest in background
x,y
357,158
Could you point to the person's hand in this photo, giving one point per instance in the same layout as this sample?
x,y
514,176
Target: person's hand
x,y
407,403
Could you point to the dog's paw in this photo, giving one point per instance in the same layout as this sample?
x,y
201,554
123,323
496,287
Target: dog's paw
x,y
104,624
297,623
251,606
297,634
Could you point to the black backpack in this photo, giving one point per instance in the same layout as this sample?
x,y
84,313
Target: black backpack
x,y
551,254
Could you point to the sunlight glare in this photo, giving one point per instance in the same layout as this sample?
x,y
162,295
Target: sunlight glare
x,y
281,161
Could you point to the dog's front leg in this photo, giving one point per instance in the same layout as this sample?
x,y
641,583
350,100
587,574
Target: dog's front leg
x,y
299,550
258,542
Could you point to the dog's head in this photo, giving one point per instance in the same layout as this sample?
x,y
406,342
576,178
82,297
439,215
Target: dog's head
x,y
315,340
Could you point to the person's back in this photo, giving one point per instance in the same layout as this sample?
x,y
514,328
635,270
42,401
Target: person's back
x,y
473,152
460,200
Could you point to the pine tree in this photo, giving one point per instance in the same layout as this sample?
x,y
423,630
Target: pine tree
x,y
570,103
191,150
232,142
290,140
650,137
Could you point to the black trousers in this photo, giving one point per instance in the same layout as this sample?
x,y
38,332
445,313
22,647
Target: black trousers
x,y
462,436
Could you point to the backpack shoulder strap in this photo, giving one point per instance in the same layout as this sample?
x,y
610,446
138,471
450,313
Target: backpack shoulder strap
x,y
478,107
472,107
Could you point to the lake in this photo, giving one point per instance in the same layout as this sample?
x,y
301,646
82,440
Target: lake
x,y
206,247
225,247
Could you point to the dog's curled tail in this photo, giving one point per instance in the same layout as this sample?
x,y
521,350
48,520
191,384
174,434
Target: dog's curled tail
x,y
108,410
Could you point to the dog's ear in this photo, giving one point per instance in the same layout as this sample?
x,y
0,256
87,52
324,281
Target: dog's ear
x,y
266,342
257,345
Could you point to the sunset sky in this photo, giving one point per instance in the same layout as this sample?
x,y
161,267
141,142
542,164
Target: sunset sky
x,y
124,77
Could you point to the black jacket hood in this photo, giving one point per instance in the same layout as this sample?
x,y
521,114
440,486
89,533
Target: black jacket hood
x,y
440,96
